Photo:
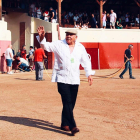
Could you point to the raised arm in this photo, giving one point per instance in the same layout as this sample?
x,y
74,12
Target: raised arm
x,y
50,47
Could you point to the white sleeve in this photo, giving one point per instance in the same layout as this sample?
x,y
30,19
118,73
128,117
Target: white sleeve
x,y
86,63
49,47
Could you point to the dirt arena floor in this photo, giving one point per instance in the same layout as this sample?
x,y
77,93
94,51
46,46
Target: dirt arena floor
x,y
107,110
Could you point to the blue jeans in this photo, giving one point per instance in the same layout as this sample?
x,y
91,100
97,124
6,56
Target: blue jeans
x,y
127,65
24,67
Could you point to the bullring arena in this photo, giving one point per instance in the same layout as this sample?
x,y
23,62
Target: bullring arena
x,y
107,110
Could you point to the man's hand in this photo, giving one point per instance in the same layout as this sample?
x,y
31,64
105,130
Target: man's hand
x,y
90,80
41,32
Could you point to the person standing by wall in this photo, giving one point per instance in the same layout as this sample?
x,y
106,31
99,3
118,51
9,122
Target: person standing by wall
x,y
93,22
113,18
9,59
52,15
104,19
128,57
39,54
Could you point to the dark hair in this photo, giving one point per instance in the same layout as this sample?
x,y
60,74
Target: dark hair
x,y
31,47
23,46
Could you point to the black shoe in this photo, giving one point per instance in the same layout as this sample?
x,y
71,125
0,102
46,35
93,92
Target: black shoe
x,y
131,77
121,77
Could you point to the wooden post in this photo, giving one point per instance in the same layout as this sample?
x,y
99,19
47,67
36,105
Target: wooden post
x,y
101,13
0,9
138,3
101,3
59,12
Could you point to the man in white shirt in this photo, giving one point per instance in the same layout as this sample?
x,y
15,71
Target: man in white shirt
x,y
69,54
9,59
75,19
23,65
113,18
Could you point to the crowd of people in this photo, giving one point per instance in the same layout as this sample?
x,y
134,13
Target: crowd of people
x,y
77,18
25,62
110,20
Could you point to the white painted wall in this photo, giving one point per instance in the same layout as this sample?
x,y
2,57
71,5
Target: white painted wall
x,y
105,35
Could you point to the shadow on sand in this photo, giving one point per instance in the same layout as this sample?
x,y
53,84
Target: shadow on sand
x,y
41,124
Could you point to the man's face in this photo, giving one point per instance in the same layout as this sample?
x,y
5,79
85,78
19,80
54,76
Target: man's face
x,y
131,48
70,38
24,48
111,11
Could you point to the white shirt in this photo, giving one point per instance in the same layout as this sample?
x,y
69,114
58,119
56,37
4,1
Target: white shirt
x,y
22,60
113,17
137,20
76,18
66,66
7,53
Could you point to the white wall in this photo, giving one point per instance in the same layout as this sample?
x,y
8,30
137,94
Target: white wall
x,y
105,35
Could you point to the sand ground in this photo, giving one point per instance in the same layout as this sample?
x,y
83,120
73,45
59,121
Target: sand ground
x,y
107,110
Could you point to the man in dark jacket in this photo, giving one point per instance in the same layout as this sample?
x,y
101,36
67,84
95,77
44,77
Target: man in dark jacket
x,y
93,22
127,58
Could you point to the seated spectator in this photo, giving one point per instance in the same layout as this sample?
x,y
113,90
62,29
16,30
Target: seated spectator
x,y
85,19
127,20
46,16
77,26
119,25
23,52
66,18
71,17
132,20
23,64
137,20
76,19
18,53
85,26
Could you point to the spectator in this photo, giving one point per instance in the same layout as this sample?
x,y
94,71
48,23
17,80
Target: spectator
x,y
46,16
23,64
52,15
76,19
23,52
77,26
30,56
132,20
104,19
107,20
137,20
113,18
127,20
66,18
39,12
32,10
18,53
9,59
93,22
38,59
119,25
85,19
85,26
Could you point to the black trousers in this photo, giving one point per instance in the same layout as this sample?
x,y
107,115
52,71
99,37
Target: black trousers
x,y
68,95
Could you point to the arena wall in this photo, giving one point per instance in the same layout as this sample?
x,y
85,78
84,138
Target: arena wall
x,y
107,46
